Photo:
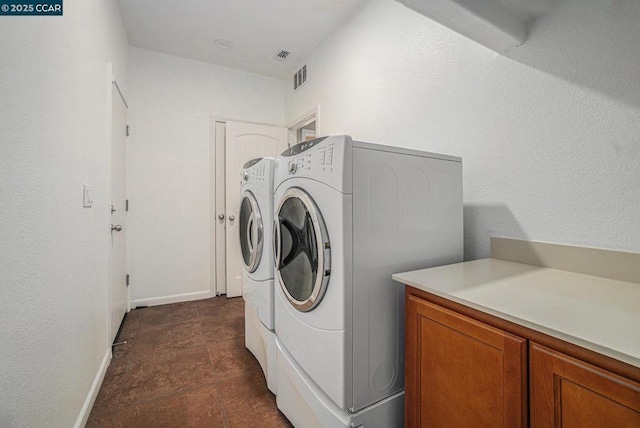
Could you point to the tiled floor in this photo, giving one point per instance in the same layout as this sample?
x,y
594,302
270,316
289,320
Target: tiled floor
x,y
185,365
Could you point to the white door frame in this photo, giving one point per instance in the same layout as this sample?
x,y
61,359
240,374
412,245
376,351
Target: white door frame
x,y
111,79
301,122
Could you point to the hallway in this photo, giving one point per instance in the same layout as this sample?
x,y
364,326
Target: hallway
x,y
185,365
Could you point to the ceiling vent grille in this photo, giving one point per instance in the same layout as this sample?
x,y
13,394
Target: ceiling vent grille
x,y
300,78
282,55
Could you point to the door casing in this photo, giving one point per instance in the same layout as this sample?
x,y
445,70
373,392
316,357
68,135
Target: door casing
x,y
119,298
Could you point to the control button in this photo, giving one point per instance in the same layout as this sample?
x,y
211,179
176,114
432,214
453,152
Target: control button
x,y
292,167
245,176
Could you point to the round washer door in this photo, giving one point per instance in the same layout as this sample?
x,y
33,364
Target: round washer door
x,y
302,250
251,232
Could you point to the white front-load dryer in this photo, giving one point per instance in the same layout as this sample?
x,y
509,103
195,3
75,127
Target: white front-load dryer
x,y
256,235
347,216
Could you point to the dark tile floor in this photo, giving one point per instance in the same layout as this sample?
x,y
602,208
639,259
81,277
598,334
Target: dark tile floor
x,y
185,365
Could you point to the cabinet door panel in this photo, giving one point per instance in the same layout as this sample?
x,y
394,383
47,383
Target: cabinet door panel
x,y
566,392
461,372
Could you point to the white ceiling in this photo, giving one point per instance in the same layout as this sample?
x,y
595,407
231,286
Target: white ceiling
x,y
259,29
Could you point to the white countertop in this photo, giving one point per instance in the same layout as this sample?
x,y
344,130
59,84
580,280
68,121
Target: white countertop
x,y
599,314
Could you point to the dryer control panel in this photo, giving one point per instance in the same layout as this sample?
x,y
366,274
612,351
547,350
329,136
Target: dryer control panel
x,y
324,159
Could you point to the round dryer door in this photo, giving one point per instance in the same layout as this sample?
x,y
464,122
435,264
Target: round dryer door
x,y
251,232
302,250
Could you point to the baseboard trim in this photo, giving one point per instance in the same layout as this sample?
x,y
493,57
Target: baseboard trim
x,y
83,417
185,297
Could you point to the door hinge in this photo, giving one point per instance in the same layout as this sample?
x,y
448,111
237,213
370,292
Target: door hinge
x,y
128,130
127,280
126,205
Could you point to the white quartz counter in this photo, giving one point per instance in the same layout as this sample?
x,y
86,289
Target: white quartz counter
x,y
599,314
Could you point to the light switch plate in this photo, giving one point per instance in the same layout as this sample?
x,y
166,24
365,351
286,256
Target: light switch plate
x,y
87,196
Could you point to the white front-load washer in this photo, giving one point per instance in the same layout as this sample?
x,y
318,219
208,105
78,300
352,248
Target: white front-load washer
x,y
348,215
256,235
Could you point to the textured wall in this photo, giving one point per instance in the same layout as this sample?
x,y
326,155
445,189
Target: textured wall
x,y
53,253
549,134
172,100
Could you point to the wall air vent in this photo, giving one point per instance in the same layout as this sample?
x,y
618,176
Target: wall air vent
x,y
282,55
300,77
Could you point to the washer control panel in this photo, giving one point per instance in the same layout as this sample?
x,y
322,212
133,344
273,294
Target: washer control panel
x,y
254,173
257,171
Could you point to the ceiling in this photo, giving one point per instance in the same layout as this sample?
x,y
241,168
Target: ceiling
x,y
258,29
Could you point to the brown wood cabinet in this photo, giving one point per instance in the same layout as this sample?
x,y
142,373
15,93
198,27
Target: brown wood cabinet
x,y
465,368
462,373
566,392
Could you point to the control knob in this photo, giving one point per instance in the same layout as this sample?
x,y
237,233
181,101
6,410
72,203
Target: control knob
x,y
292,166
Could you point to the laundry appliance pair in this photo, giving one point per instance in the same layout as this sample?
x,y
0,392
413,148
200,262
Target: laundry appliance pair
x,y
347,216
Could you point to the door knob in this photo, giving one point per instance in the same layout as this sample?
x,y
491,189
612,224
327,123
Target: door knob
x,y
221,216
231,218
117,228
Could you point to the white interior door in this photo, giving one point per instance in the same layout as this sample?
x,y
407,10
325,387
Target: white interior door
x,y
118,293
243,142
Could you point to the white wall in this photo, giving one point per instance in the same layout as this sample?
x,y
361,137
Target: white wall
x,y
549,134
53,253
172,100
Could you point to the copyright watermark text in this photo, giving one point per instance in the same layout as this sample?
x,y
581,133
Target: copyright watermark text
x,y
39,7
